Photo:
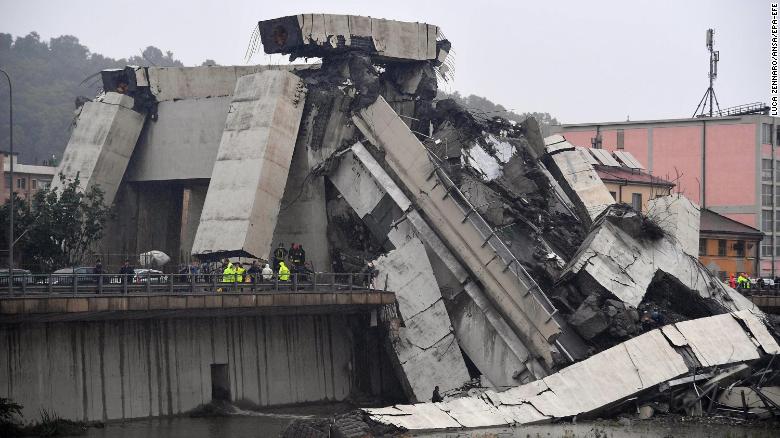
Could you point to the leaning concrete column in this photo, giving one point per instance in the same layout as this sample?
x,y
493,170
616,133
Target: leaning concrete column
x,y
101,144
250,174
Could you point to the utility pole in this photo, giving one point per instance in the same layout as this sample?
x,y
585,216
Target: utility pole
x,y
11,189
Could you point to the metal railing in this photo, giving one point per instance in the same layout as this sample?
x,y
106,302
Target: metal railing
x,y
159,284
490,237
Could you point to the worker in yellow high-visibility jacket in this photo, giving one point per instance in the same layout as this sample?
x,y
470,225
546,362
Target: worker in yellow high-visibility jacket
x,y
240,271
229,273
284,272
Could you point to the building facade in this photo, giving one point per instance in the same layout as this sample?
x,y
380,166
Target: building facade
x,y
633,186
728,247
726,164
28,178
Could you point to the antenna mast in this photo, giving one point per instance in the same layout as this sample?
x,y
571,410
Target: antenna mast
x,y
710,93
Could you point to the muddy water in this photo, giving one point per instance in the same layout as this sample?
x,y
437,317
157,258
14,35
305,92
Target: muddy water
x,y
271,425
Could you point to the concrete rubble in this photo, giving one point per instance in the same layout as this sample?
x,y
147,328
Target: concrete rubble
x,y
584,389
511,262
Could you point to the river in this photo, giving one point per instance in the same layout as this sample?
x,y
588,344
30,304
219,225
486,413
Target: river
x,y
271,425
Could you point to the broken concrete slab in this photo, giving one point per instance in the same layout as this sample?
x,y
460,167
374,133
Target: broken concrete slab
x,y
425,346
250,174
619,257
679,218
483,334
585,388
101,144
510,288
578,178
312,35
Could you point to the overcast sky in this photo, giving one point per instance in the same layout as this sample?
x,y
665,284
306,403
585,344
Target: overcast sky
x,y
581,61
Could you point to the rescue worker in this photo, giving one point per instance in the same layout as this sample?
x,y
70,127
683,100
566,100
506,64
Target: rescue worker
x,y
253,273
284,272
436,397
240,271
297,255
741,280
732,281
268,273
279,255
229,272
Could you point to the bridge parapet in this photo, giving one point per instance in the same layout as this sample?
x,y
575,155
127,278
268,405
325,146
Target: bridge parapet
x,y
101,297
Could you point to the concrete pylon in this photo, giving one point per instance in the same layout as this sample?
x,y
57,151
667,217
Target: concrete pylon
x,y
101,144
248,179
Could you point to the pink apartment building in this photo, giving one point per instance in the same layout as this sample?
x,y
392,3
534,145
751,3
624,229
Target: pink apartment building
x,y
730,165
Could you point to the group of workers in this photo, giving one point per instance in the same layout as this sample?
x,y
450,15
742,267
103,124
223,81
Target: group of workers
x,y
740,282
295,256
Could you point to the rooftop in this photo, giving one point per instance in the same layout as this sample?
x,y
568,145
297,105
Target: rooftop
x,y
716,223
626,175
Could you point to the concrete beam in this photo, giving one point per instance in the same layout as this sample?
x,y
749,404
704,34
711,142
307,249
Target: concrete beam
x,y
425,346
101,144
514,293
249,177
481,331
83,307
321,34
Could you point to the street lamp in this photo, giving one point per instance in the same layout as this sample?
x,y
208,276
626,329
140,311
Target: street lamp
x,y
11,189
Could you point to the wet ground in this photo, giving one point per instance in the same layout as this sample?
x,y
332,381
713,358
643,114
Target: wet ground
x,y
271,425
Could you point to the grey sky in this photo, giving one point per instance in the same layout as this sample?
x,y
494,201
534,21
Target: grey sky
x,y
581,61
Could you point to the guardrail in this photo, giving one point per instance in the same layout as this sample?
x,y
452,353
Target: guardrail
x,y
155,283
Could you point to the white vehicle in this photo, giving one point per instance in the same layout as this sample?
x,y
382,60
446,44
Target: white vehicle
x,y
152,275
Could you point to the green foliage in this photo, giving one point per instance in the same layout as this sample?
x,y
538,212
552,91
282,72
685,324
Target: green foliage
x,y
481,106
60,227
47,78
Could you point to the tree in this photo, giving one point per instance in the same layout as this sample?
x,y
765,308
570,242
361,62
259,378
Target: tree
x,y
60,228
47,78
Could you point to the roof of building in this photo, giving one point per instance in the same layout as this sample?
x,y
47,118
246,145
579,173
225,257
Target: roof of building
x,y
712,222
30,169
627,175
656,121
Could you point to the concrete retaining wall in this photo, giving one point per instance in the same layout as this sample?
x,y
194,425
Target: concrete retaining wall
x,y
118,369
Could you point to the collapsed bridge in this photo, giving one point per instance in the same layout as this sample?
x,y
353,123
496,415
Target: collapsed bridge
x,y
507,255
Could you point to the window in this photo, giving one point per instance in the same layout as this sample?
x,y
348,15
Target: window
x,y
766,170
766,247
766,133
766,221
766,195
34,183
621,139
777,166
44,183
721,247
21,183
614,196
636,201
739,248
702,247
